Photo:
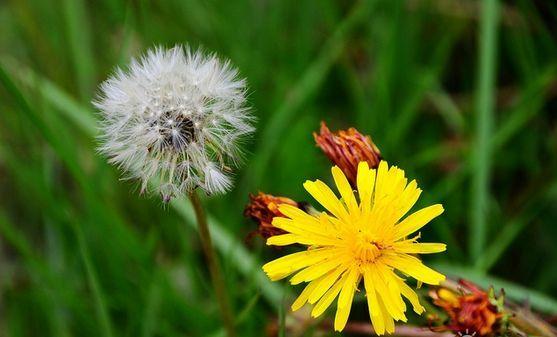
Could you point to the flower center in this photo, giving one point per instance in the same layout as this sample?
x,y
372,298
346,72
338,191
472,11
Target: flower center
x,y
182,124
176,128
366,248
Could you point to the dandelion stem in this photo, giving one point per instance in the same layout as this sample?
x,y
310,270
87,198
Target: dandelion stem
x,y
213,264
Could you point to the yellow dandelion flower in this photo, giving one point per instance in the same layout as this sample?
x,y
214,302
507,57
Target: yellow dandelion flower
x,y
358,240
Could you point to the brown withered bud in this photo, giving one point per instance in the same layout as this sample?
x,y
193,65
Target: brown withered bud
x,y
262,208
347,148
471,312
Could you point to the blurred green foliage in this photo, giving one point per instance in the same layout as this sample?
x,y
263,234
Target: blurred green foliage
x,y
460,93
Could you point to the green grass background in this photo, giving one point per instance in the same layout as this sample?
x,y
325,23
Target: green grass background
x,y
460,93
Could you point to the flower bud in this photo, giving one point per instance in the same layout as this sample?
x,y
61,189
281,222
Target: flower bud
x,y
471,312
346,149
262,208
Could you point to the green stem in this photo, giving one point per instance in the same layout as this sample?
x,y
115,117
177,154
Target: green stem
x,y
213,264
484,127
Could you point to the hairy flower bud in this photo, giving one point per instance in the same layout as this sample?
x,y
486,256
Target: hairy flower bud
x,y
471,312
346,149
262,208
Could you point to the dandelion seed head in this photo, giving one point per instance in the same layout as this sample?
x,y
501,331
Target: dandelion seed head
x,y
175,116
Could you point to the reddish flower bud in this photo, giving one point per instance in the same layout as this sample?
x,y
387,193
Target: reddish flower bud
x,y
472,312
347,148
262,208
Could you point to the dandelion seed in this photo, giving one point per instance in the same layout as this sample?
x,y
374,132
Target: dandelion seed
x,y
357,240
177,117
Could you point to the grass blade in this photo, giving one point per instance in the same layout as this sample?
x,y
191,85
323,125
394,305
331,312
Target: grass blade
x,y
92,279
224,241
510,232
481,156
79,41
67,156
307,86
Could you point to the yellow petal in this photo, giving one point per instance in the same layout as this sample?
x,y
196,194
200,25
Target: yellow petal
x,y
348,288
310,222
295,226
417,220
365,181
303,298
282,240
389,188
385,294
327,299
345,299
393,187
389,322
306,235
341,316
411,247
345,190
315,271
382,180
407,199
286,265
391,281
411,296
325,284
325,196
414,267
373,305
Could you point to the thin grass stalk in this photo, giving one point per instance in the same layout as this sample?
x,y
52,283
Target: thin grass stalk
x,y
101,310
481,163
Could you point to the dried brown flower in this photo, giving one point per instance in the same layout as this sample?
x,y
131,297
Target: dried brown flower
x,y
262,208
347,148
471,312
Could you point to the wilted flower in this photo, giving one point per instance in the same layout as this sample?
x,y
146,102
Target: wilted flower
x,y
346,149
357,239
176,116
262,208
472,311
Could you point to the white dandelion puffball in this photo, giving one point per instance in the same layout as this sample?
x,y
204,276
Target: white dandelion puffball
x,y
176,117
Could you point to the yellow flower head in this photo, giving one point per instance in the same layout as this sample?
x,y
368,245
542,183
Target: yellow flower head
x,y
358,240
